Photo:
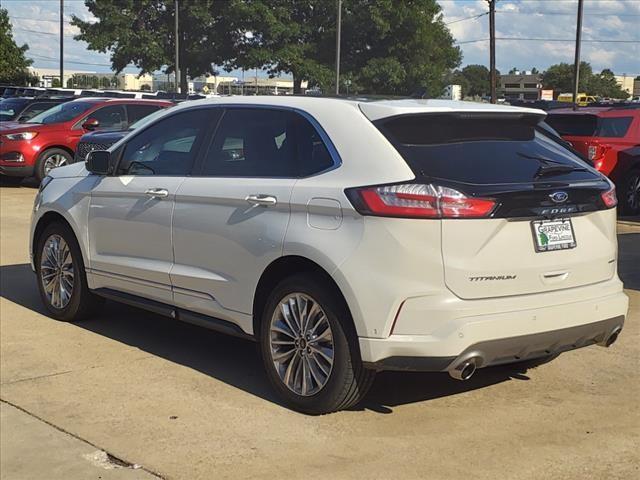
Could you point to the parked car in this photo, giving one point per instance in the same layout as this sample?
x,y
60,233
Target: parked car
x,y
345,237
49,139
610,138
22,109
102,140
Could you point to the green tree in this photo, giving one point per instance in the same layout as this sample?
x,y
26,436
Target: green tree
x,y
397,47
142,32
559,77
13,63
604,84
474,80
55,83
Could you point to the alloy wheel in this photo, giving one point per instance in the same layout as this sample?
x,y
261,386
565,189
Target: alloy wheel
x,y
301,344
633,194
56,271
54,161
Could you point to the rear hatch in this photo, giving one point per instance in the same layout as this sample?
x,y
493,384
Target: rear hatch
x,y
549,229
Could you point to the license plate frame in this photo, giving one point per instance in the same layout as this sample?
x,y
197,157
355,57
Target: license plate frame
x,y
550,241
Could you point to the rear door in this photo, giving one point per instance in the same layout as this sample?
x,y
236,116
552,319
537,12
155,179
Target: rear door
x,y
230,218
534,179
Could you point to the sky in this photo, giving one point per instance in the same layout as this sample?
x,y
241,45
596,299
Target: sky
x,y
35,22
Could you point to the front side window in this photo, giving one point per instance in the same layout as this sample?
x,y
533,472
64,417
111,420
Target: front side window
x,y
112,117
137,112
168,147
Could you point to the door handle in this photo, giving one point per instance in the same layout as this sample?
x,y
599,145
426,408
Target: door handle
x,y
157,192
266,200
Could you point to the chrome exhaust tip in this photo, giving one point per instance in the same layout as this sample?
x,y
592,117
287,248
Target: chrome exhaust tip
x,y
464,370
611,339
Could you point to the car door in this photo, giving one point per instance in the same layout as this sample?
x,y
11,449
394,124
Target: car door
x,y
231,217
130,215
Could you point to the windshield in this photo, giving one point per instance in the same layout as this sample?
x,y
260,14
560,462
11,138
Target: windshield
x,y
10,108
62,113
590,125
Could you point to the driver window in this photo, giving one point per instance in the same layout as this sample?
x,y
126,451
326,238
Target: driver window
x,y
110,118
167,148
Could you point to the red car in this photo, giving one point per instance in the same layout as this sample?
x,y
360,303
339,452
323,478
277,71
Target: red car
x,y
610,139
49,139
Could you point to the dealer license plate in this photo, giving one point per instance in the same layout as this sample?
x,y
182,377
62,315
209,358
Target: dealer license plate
x,y
551,235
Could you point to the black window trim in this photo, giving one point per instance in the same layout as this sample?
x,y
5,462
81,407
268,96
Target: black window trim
x,y
212,130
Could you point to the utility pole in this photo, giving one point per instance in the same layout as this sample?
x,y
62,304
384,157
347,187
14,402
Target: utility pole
x,y
62,43
338,33
576,63
177,52
492,49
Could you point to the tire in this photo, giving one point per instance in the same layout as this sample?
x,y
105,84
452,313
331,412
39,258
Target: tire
x,y
329,386
54,155
630,193
81,302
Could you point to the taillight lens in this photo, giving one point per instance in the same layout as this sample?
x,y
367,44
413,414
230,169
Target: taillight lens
x,y
413,200
609,198
595,153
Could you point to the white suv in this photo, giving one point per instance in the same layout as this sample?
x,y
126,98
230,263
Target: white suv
x,y
346,237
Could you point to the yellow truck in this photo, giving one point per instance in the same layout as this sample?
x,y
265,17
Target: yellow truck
x,y
582,99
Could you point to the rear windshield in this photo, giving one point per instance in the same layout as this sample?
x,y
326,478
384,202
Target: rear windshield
x,y
590,125
481,150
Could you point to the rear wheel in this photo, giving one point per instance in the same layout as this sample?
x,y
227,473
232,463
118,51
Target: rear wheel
x,y
62,281
630,193
309,352
50,159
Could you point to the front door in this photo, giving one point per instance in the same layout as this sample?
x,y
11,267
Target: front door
x,y
130,212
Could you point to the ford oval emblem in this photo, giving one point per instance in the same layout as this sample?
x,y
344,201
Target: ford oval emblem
x,y
559,197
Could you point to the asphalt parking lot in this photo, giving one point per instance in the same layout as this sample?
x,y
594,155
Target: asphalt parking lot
x,y
133,395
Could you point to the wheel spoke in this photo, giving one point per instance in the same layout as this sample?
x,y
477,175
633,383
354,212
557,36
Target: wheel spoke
x,y
286,315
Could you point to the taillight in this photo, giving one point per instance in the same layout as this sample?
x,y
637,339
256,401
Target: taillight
x,y
595,153
609,198
412,200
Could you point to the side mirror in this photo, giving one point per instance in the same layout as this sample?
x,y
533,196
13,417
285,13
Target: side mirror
x,y
99,162
91,124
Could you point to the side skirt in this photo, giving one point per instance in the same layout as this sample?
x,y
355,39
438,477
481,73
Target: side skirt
x,y
181,314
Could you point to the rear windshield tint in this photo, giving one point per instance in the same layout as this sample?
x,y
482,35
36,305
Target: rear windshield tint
x,y
481,150
590,125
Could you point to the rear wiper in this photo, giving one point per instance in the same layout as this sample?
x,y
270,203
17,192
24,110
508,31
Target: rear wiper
x,y
543,171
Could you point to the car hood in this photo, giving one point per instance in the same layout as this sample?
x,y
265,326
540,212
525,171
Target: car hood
x,y
104,137
74,170
15,127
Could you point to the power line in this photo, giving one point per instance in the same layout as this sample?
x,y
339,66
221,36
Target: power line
x,y
547,40
40,19
473,17
601,14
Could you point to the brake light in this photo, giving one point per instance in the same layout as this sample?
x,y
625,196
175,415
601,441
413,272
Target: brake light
x,y
418,201
609,198
595,153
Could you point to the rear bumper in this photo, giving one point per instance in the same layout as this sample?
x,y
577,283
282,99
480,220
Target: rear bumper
x,y
497,338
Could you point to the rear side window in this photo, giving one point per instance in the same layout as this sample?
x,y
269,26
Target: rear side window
x,y
136,112
480,150
36,108
265,143
613,127
590,125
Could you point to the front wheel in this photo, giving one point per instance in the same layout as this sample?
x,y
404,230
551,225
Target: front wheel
x,y
50,159
62,281
309,352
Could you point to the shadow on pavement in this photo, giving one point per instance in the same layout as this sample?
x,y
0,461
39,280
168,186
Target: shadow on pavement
x,y
235,361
